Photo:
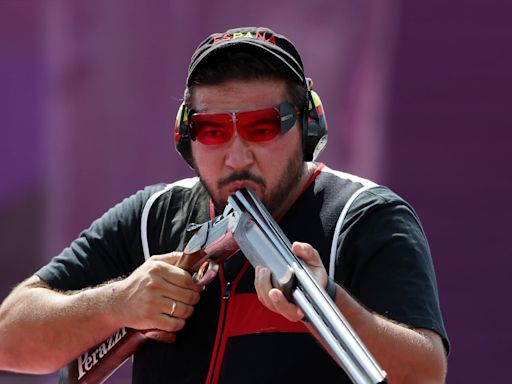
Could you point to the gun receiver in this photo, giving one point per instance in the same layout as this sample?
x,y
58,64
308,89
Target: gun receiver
x,y
246,225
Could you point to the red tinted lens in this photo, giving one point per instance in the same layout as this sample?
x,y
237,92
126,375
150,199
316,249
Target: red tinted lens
x,y
254,126
212,128
261,125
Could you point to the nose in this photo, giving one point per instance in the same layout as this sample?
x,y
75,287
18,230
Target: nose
x,y
239,154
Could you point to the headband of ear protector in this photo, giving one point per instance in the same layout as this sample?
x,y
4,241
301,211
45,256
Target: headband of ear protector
x,y
314,128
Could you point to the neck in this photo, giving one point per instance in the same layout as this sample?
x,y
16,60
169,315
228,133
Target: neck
x,y
308,170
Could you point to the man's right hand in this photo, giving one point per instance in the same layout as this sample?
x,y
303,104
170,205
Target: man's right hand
x,y
33,314
157,295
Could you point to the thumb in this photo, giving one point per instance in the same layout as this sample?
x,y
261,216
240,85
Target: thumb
x,y
172,258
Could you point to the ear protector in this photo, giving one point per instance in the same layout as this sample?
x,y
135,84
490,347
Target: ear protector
x,y
314,128
314,124
182,134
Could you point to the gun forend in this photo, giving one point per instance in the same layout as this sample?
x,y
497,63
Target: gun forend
x,y
263,243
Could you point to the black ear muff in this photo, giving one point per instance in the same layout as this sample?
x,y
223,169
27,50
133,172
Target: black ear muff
x,y
314,125
182,134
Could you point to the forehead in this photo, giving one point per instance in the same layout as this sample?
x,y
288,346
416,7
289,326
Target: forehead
x,y
238,95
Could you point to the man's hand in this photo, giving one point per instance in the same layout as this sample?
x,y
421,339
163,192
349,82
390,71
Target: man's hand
x,y
157,295
273,298
407,355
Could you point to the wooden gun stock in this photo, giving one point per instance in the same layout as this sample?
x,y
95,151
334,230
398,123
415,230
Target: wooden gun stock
x,y
210,245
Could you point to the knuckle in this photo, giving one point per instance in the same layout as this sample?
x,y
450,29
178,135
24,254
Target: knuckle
x,y
178,324
193,298
156,257
155,268
171,324
189,310
152,284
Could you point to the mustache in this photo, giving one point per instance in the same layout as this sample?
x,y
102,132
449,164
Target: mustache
x,y
241,176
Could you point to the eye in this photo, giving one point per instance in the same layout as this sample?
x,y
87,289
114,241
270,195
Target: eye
x,y
261,130
210,134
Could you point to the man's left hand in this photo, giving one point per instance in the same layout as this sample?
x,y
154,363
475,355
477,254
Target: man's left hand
x,y
273,298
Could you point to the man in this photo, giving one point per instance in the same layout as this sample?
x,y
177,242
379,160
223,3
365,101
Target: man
x,y
250,120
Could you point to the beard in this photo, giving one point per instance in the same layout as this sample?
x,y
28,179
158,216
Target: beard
x,y
272,199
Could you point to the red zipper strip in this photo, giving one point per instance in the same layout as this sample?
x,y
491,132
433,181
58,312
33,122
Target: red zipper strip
x,y
220,326
216,365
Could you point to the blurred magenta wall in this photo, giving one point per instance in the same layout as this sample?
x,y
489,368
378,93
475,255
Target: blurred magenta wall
x,y
417,96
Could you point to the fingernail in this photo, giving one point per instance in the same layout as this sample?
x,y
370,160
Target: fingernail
x,y
274,296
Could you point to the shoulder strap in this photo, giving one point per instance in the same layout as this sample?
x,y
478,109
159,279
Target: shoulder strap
x,y
339,225
187,183
144,220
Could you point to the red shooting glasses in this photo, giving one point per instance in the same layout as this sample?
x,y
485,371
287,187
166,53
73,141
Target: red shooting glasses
x,y
253,126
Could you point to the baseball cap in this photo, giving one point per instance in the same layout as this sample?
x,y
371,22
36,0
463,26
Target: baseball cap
x,y
262,38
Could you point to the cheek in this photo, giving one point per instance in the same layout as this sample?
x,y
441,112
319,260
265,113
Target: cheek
x,y
207,160
199,155
279,151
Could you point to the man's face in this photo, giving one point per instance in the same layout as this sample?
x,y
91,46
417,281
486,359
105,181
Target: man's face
x,y
273,169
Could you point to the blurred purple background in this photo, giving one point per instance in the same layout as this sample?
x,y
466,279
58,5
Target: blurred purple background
x,y
417,95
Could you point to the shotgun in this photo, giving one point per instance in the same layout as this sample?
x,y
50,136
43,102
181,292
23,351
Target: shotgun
x,y
246,225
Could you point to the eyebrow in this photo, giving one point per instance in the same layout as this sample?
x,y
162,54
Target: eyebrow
x,y
216,124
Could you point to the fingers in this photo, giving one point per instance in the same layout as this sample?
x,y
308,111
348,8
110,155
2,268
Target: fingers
x,y
273,298
178,309
307,253
173,315
158,295
172,258
163,266
169,324
160,281
173,308
284,307
310,256
263,285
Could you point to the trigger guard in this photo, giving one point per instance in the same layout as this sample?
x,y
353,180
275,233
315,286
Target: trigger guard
x,y
206,272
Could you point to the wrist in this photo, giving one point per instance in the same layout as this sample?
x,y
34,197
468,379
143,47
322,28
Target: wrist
x,y
331,288
104,303
115,302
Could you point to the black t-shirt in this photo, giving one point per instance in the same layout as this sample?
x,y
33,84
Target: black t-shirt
x,y
381,257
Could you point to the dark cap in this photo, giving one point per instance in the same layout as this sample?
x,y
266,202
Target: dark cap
x,y
263,38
